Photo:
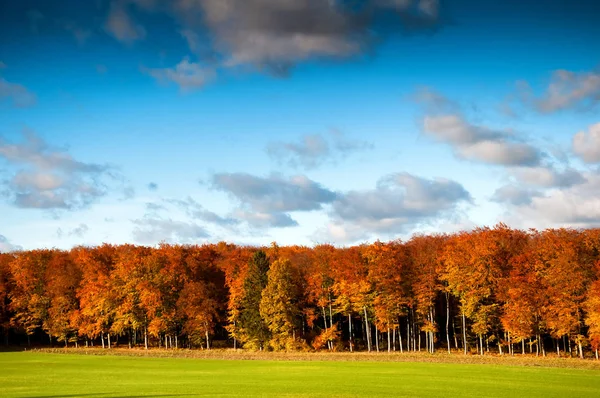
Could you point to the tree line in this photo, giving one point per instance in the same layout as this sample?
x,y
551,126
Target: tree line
x,y
497,289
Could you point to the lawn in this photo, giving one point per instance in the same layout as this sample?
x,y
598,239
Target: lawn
x,y
31,374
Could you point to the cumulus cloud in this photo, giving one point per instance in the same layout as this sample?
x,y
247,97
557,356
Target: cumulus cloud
x,y
188,76
268,200
445,122
532,182
43,177
313,150
549,176
480,143
16,94
398,203
575,206
153,230
567,89
586,145
275,35
6,246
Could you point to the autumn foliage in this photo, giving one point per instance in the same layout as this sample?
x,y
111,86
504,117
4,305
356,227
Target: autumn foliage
x,y
496,290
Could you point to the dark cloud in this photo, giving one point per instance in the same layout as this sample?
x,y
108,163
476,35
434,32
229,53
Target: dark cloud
x,y
152,186
315,149
275,35
49,178
267,200
398,203
153,230
586,145
6,246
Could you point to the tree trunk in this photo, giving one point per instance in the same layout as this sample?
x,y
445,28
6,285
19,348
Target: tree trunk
x,y
481,343
102,338
448,321
207,340
350,331
145,338
389,341
432,334
454,334
367,331
176,343
108,339
330,315
580,350
394,338
408,335
377,338
400,336
596,354
464,332
325,323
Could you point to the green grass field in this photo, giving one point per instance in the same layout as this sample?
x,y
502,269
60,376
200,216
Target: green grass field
x,y
30,374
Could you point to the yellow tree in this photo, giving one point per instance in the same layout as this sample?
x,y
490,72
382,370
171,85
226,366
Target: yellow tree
x,y
279,305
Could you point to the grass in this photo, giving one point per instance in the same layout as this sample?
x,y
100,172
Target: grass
x,y
41,374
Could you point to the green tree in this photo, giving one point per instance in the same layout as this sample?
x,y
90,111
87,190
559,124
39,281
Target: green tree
x,y
254,333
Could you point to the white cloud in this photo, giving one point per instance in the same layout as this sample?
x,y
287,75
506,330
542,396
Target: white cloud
x,y
188,76
399,203
566,90
586,145
49,178
480,143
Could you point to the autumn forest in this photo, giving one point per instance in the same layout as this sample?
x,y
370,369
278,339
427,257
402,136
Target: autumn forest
x,y
492,290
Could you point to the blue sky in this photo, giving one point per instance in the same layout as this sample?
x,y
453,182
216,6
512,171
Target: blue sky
x,y
299,122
